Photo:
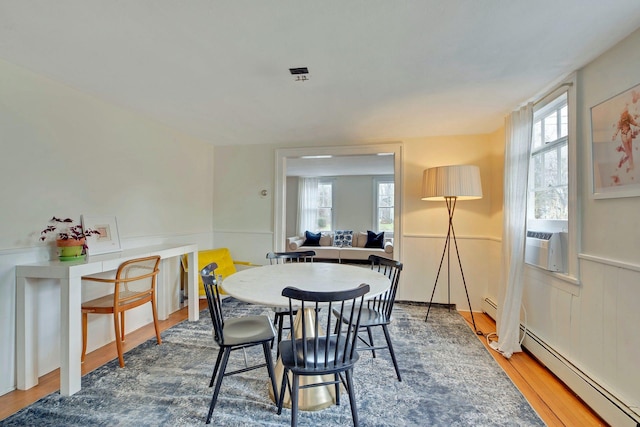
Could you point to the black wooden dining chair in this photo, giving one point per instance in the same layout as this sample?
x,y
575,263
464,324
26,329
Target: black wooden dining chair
x,y
378,310
314,351
285,258
234,334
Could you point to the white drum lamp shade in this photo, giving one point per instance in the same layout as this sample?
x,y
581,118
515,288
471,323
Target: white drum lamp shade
x,y
460,181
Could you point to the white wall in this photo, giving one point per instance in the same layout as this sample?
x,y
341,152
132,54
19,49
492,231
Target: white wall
x,y
240,220
66,153
476,222
587,333
292,205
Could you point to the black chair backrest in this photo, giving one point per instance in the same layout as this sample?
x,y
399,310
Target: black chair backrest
x,y
323,345
286,257
213,300
392,269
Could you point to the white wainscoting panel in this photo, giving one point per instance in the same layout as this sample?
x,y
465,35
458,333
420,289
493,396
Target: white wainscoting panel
x,y
587,334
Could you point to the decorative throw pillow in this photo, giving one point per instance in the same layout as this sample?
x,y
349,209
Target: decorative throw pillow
x,y
311,239
375,240
343,238
325,240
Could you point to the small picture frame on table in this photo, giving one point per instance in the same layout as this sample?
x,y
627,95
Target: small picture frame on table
x,y
108,240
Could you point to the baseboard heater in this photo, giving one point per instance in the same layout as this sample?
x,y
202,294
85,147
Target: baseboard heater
x,y
602,401
544,249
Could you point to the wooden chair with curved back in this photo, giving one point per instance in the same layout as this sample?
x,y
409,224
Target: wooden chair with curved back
x,y
133,286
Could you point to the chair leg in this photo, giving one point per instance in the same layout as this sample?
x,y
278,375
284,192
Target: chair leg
x,y
84,336
279,335
215,369
393,354
336,378
122,326
269,361
223,366
371,340
155,321
275,323
116,324
283,388
352,397
295,389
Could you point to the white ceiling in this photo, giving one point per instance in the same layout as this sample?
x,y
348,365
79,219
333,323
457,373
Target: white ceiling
x,y
380,70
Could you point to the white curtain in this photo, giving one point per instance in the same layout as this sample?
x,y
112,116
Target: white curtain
x,y
516,171
307,205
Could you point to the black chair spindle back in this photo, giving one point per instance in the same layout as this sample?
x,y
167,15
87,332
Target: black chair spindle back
x,y
392,269
214,303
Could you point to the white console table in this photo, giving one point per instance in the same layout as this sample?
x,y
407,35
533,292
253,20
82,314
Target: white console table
x,y
69,274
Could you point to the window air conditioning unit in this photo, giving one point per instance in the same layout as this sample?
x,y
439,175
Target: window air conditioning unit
x,y
544,249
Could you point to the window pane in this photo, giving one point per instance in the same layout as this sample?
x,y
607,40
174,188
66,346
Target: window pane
x,y
324,195
324,219
549,164
564,121
550,168
564,164
385,219
538,171
551,127
325,204
385,194
551,203
384,207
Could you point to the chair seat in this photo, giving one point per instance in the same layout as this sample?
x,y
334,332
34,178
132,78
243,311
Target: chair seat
x,y
107,300
369,317
247,330
134,284
290,361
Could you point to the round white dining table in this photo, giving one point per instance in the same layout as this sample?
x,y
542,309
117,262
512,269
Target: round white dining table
x,y
264,285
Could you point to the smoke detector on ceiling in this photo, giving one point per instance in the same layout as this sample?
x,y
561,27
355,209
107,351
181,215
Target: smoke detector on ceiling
x,y
301,74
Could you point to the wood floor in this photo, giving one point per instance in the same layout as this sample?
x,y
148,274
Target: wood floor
x,y
554,402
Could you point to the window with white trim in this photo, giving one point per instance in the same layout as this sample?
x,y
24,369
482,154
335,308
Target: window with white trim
x,y
384,208
325,205
548,199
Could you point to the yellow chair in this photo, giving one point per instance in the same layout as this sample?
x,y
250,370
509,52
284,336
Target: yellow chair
x,y
222,257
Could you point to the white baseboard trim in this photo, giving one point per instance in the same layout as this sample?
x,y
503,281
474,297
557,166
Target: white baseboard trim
x,y
602,401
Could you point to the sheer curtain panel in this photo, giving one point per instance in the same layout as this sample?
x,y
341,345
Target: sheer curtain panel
x,y
307,205
516,172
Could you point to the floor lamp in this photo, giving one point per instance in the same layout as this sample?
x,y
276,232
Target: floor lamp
x,y
451,183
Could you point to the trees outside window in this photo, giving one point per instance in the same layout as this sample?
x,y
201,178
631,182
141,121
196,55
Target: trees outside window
x,y
325,205
549,165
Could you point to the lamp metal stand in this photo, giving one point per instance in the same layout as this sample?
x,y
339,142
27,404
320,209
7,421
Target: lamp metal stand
x,y
451,206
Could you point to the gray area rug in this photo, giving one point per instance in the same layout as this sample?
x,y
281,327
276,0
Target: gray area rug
x,y
449,379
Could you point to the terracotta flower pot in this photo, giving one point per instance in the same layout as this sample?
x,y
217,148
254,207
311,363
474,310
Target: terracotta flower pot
x,y
70,249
